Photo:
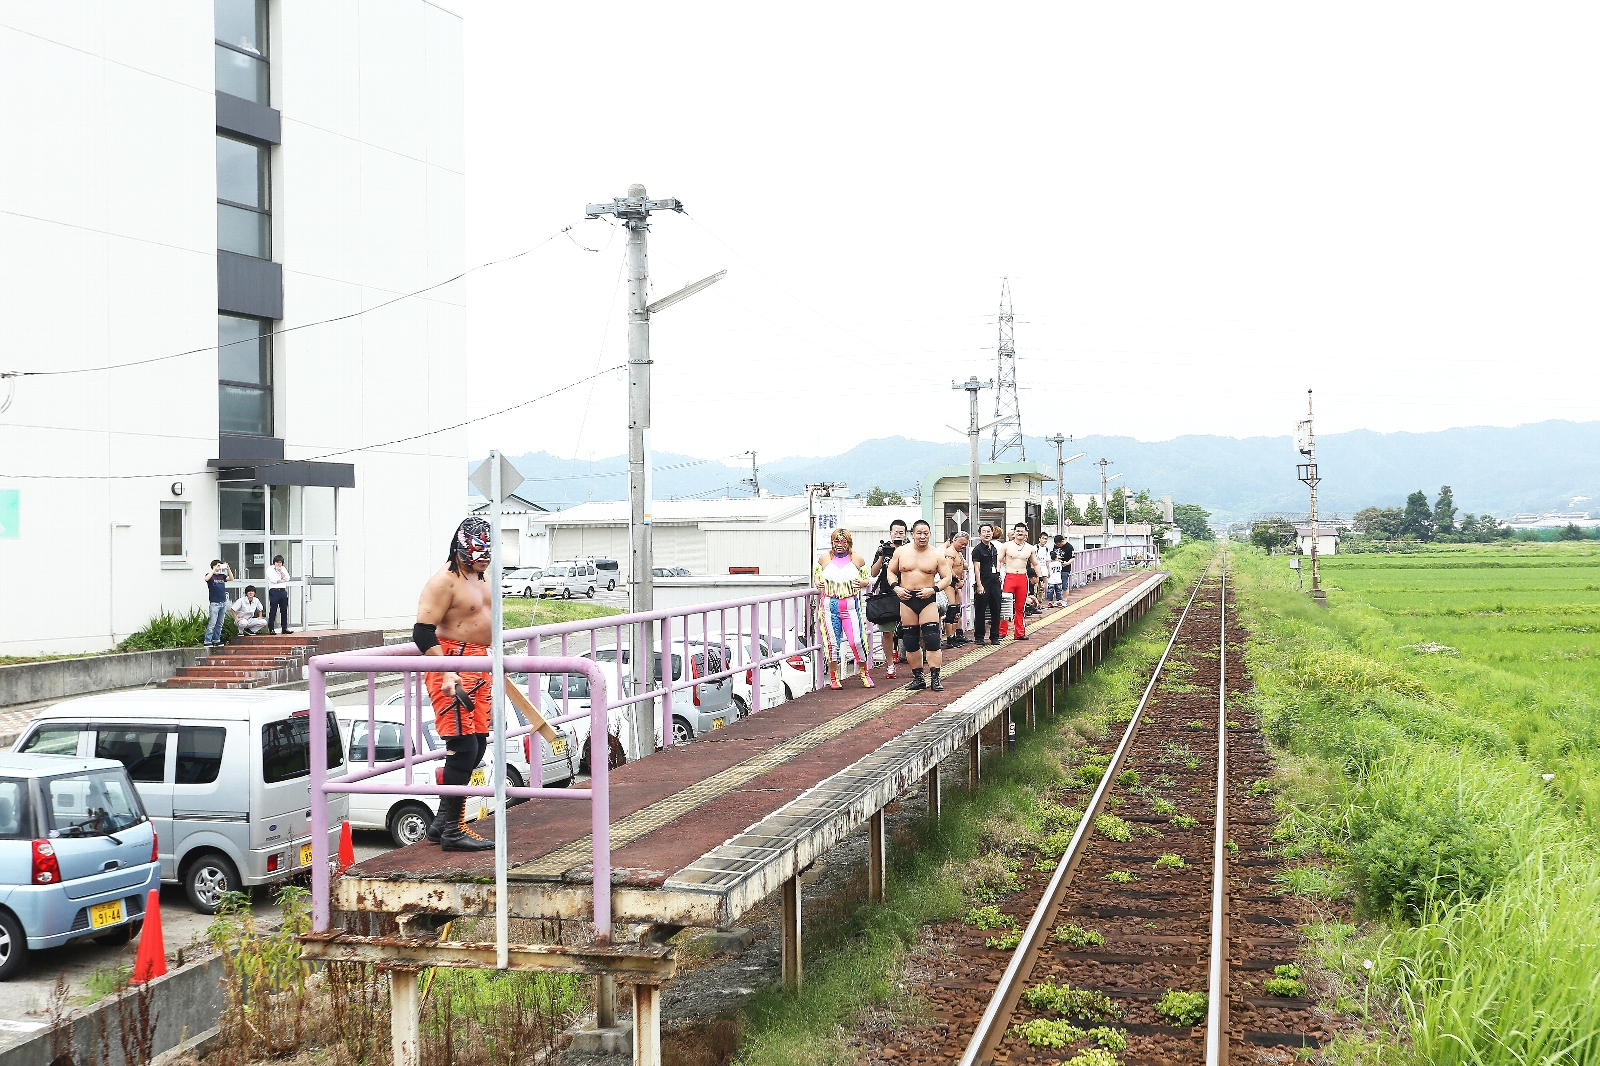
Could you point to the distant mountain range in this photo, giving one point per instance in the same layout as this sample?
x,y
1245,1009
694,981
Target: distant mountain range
x,y
1535,467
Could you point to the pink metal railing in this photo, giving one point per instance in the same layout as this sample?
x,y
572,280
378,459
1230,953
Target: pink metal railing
x,y
1096,562
404,658
734,630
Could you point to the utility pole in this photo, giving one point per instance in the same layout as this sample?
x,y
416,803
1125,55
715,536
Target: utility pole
x,y
1307,472
973,387
1007,412
1061,492
754,480
633,211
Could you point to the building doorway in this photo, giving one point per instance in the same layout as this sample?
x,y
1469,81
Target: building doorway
x,y
297,522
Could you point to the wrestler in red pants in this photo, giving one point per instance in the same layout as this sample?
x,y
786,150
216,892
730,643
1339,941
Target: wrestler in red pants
x,y
1016,586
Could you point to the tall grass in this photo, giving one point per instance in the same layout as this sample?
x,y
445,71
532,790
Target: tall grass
x,y
1422,777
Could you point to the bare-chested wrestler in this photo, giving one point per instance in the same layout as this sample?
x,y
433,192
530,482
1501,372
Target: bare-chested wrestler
x,y
956,552
916,574
454,618
1015,555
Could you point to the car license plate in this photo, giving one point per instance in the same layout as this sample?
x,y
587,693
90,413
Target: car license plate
x,y
559,747
478,777
716,723
305,854
104,914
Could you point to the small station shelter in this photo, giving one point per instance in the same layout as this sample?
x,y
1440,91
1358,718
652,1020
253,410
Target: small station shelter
x,y
1008,493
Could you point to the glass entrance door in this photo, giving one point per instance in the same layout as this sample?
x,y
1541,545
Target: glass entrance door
x,y
321,584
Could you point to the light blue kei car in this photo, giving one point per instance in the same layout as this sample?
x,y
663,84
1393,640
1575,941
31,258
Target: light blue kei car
x,y
77,854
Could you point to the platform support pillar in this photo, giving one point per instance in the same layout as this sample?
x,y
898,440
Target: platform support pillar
x,y
877,860
974,763
646,1025
605,1002
405,1017
1050,692
1033,708
935,800
791,934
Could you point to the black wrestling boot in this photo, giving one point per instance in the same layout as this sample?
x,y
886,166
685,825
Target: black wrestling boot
x,y
917,684
933,679
456,835
436,827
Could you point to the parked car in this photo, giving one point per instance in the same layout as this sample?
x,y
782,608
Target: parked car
x,y
699,709
525,582
556,771
610,572
222,774
404,818
662,571
79,855
772,686
564,579
681,571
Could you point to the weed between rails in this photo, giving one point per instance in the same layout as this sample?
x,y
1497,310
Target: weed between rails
x,y
1017,820
1418,778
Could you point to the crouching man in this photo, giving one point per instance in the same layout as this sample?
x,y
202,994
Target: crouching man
x,y
453,618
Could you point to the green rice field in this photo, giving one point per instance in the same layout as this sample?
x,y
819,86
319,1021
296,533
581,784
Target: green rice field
x,y
1439,726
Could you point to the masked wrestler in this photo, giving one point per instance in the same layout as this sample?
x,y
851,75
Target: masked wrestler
x,y
453,618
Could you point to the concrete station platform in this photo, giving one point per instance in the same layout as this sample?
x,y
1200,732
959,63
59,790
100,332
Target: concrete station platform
x,y
701,832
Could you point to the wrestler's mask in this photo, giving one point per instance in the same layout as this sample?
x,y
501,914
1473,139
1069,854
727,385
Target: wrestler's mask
x,y
472,540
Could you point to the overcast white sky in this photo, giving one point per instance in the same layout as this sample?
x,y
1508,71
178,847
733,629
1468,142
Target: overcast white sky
x,y
1203,209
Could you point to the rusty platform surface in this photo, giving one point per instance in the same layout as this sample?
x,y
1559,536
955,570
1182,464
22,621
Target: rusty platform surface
x,y
702,831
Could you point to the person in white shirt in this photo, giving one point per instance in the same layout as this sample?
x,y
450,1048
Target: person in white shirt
x,y
278,594
1041,570
247,612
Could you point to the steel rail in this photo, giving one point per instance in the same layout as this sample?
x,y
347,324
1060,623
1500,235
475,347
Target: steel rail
x,y
1217,1003
991,1027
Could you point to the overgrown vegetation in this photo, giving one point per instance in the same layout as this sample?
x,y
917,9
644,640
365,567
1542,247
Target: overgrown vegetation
x,y
169,630
1455,794
520,613
1182,1008
278,1008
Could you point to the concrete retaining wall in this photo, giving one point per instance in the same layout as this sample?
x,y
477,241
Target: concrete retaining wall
x,y
183,1004
60,678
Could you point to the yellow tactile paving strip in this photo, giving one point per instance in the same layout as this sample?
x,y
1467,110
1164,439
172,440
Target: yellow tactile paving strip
x,y
641,823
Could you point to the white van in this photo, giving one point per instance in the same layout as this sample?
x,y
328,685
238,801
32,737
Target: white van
x,y
223,774
568,579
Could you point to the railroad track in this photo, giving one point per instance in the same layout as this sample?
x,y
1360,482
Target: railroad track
x,y
1159,937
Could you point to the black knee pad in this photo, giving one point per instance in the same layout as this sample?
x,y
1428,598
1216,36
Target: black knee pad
x,y
466,752
930,636
912,637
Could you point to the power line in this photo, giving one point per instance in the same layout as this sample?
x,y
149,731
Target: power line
x,y
267,463
289,329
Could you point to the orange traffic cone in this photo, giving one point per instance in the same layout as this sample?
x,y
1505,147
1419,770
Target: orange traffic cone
x,y
152,959
347,848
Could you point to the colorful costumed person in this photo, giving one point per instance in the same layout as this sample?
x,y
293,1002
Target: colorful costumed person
x,y
841,575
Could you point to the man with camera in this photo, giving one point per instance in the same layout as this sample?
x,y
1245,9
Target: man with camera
x,y
886,550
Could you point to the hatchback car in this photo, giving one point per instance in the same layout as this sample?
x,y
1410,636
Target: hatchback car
x,y
524,582
610,572
77,854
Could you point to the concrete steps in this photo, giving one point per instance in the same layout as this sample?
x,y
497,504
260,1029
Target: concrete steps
x,y
253,662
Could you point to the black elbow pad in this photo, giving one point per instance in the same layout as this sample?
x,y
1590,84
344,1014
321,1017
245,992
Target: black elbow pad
x,y
424,637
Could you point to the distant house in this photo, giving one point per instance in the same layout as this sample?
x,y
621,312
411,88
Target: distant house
x,y
1553,520
522,537
1327,540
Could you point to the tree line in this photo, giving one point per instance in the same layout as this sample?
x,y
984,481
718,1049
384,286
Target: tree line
x,y
1418,520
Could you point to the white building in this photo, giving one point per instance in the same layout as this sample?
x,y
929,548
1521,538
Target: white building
x,y
1327,540
523,540
766,535
1553,520
194,177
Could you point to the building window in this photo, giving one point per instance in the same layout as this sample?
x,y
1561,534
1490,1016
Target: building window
x,y
244,375
174,532
241,27
244,219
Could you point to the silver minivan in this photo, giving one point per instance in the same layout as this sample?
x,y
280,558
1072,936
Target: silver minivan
x,y
225,776
567,580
